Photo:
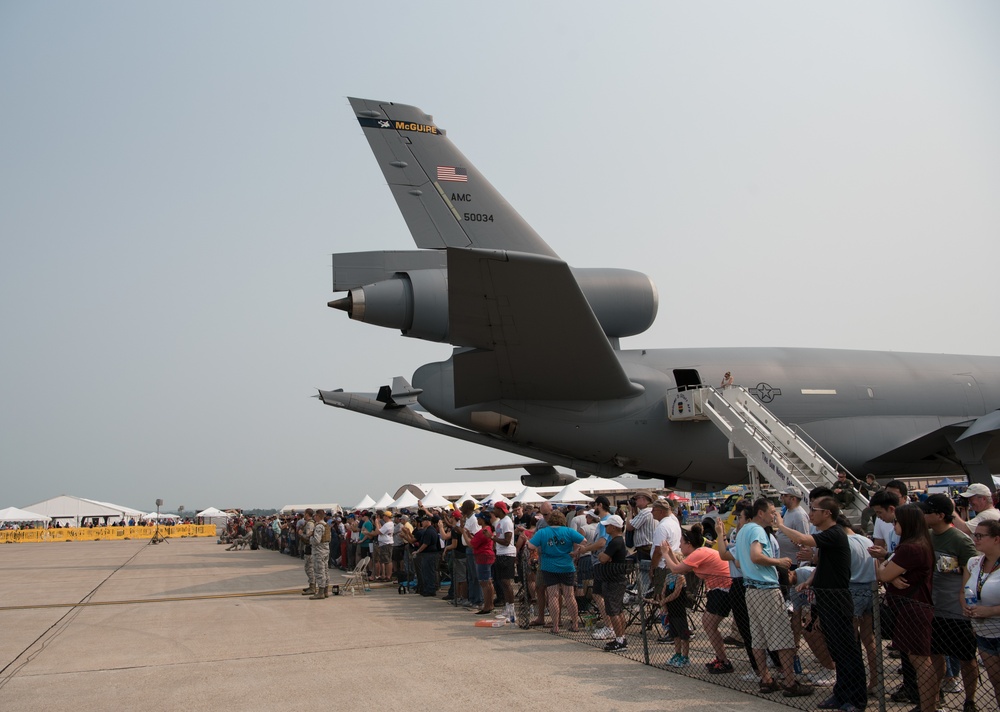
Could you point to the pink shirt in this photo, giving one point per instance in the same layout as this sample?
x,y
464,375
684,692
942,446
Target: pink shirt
x,y
709,567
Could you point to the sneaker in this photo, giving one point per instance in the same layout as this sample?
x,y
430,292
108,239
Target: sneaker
x,y
766,688
750,676
715,661
604,633
720,668
675,661
848,707
830,703
798,690
824,678
665,638
685,661
613,645
735,642
904,695
970,706
952,684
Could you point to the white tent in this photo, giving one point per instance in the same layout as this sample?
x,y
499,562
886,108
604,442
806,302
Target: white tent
x,y
126,511
433,499
384,502
366,503
407,499
496,496
74,509
569,495
529,495
162,517
212,512
462,498
13,514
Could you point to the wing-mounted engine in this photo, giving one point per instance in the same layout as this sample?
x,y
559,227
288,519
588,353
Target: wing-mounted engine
x,y
408,290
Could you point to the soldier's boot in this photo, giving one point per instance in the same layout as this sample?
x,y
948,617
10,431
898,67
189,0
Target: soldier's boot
x,y
318,595
310,590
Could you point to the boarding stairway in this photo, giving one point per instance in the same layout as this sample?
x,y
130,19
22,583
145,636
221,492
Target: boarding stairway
x,y
773,450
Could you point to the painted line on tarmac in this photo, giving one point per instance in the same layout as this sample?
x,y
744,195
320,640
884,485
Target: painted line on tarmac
x,y
171,599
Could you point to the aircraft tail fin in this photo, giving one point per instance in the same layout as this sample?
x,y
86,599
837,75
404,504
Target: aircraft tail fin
x,y
444,199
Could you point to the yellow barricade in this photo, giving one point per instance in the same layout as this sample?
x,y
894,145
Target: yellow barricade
x,y
104,533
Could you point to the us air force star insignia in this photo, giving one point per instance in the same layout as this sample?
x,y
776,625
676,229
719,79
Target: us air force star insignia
x,y
764,393
384,124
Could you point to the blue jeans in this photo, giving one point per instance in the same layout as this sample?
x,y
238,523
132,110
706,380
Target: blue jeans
x,y
475,590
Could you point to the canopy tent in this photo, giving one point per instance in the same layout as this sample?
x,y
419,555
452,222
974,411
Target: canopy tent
x,y
433,499
570,495
384,502
407,499
212,512
463,497
529,495
325,506
947,481
13,514
75,509
159,517
674,497
126,511
496,496
366,503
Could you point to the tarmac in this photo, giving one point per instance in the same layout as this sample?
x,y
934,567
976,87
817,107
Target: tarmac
x,y
187,625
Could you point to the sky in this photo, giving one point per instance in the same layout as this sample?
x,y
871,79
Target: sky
x,y
175,175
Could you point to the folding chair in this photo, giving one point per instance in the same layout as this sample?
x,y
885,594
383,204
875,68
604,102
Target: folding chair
x,y
358,577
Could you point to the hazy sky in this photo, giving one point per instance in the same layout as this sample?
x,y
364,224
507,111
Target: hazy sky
x,y
175,175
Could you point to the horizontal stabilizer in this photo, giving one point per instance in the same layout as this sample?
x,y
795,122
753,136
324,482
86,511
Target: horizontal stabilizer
x,y
989,423
357,269
534,334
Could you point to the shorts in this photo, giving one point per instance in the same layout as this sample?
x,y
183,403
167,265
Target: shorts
x,y
988,646
383,554
558,578
717,602
679,627
953,637
614,597
397,553
459,570
584,570
484,572
861,596
504,566
770,628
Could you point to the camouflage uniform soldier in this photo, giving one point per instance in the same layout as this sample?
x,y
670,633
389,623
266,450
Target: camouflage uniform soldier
x,y
320,541
305,533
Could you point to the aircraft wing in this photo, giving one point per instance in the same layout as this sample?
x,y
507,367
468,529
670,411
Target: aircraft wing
x,y
533,332
445,201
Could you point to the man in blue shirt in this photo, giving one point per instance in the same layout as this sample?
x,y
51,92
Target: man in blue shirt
x,y
770,628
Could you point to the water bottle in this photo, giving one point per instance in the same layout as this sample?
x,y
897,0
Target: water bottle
x,y
970,596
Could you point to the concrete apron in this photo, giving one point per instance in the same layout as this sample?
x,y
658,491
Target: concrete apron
x,y
175,626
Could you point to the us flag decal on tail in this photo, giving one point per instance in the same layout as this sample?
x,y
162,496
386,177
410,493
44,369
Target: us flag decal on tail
x,y
453,173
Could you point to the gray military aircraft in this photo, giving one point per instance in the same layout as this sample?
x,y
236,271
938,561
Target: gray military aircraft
x,y
537,369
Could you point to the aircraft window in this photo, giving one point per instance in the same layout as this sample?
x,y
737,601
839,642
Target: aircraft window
x,y
871,393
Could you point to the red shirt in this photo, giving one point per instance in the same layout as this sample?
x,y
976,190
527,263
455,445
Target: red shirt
x,y
482,546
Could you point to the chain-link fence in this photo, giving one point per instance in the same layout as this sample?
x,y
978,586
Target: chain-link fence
x,y
827,649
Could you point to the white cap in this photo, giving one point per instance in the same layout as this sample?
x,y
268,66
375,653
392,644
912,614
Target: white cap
x,y
614,521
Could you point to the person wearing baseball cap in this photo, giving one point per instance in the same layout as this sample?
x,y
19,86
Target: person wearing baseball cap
x,y
796,517
980,500
506,551
612,561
